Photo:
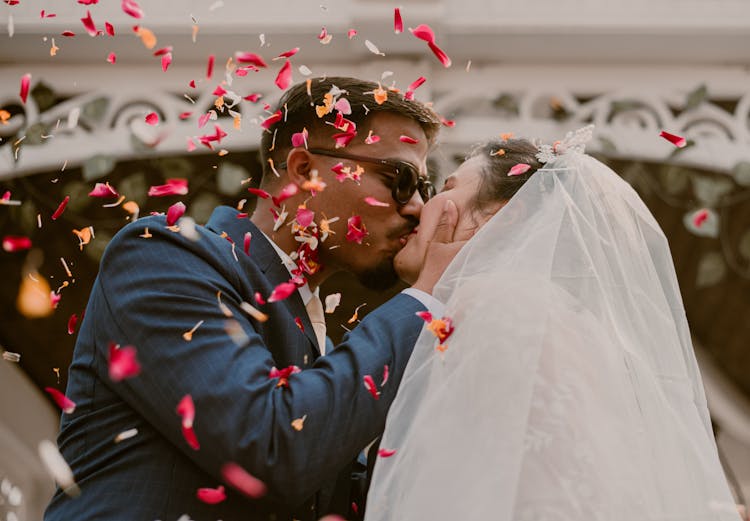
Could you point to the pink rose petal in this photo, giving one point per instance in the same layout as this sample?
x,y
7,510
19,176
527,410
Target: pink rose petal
x,y
425,315
519,169
131,7
282,291
186,410
386,453
351,33
253,98
286,192
259,193
112,57
240,479
343,106
25,83
700,217
122,362
174,213
13,243
250,57
424,32
678,141
299,139
408,139
103,190
289,53
374,202
211,496
371,387
175,186
304,216
414,86
440,54
355,229
284,77
386,373
166,61
63,402
271,120
246,243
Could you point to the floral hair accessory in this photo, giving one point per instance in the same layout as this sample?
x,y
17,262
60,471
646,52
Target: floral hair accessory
x,y
574,141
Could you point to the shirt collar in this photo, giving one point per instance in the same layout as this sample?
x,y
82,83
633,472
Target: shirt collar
x,y
290,265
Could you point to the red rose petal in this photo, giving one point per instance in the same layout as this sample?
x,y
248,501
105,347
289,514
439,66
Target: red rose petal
x,y
414,86
61,208
700,217
109,28
260,193
25,83
88,23
371,387
374,202
240,479
398,23
166,61
63,402
186,410
72,321
424,32
440,54
386,373
386,453
355,229
678,141
111,57
122,362
210,67
152,118
408,139
272,119
250,57
289,53
246,243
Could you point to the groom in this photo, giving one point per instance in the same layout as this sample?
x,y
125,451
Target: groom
x,y
228,331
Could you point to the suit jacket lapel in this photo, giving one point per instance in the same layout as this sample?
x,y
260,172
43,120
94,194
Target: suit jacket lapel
x,y
262,252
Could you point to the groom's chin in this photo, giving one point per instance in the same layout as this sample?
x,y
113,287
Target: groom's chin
x,y
380,278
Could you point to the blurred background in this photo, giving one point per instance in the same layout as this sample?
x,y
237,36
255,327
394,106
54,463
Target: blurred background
x,y
537,68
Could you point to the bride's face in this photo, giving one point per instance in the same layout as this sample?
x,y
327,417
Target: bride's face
x,y
460,187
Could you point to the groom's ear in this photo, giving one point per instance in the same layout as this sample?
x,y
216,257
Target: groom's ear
x,y
299,165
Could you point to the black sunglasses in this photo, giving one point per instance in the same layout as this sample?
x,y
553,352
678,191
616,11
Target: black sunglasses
x,y
404,183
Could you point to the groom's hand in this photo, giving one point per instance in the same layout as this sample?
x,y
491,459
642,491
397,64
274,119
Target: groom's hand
x,y
441,248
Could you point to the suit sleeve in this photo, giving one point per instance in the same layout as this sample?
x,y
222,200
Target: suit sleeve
x,y
149,293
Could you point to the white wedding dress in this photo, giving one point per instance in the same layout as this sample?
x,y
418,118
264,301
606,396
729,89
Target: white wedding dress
x,y
569,389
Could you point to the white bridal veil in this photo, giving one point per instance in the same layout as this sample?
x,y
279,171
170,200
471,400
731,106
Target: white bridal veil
x,y
569,389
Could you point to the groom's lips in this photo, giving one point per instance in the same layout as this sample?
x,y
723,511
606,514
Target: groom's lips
x,y
405,238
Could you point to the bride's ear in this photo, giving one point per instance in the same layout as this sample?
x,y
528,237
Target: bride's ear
x,y
299,165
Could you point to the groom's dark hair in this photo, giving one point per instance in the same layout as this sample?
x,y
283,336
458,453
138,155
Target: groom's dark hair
x,y
298,111
495,185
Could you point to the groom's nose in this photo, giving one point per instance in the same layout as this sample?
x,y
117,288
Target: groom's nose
x,y
413,207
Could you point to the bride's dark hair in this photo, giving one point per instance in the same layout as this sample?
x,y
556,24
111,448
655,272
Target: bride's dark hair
x,y
500,156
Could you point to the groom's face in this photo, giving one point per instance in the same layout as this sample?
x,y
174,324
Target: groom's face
x,y
387,227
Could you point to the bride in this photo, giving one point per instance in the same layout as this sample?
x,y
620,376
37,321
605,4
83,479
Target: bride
x,y
563,385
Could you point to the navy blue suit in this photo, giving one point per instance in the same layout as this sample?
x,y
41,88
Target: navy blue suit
x,y
149,292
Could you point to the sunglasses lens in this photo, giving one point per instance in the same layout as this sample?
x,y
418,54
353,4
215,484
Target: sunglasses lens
x,y
405,184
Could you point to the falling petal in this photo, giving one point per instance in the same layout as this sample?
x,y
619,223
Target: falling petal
x,y
131,7
332,302
298,423
271,120
440,54
351,33
304,216
408,139
58,468
125,435
211,496
210,67
288,54
186,410
282,291
355,229
703,222
371,138
260,193
283,374
286,192
386,373
122,362
177,186
63,402
61,208
398,23
371,387
25,83
72,321
373,48
112,57
425,315
676,140
299,139
13,243
519,169
386,453
166,61
240,479
109,29
251,58
152,118
423,32
174,213
374,202
246,243
414,86
88,23
284,77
